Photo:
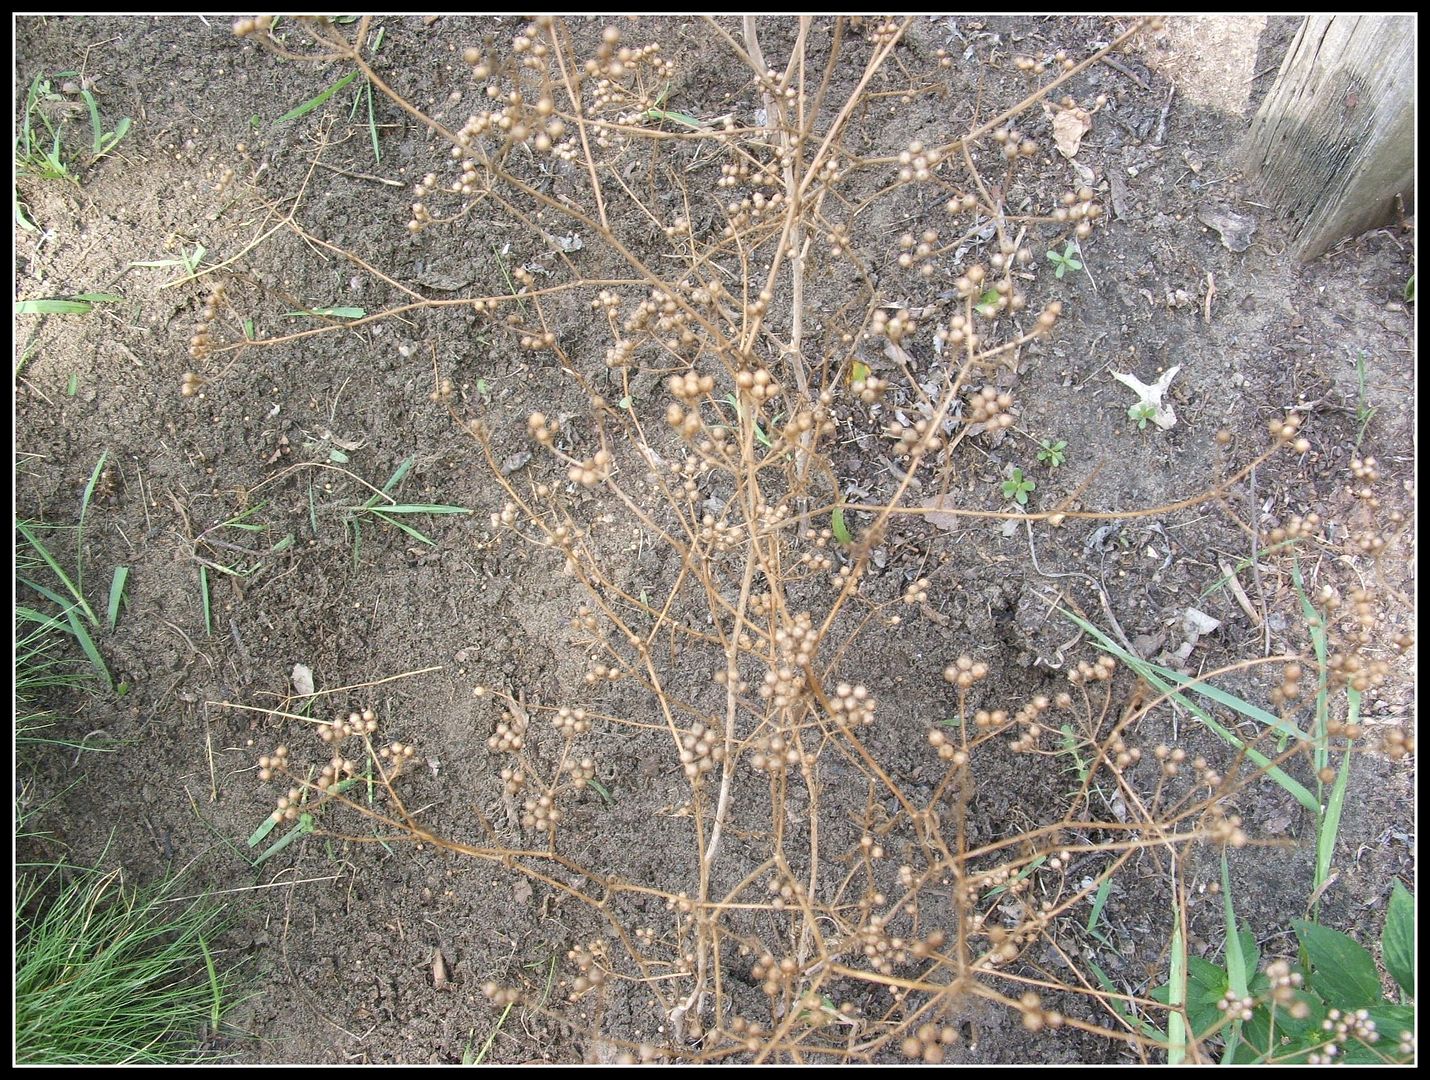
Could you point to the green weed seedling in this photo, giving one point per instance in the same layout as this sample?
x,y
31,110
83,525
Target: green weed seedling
x,y
217,550
1065,260
1141,414
102,142
41,153
1325,1008
1052,454
38,569
1017,487
382,507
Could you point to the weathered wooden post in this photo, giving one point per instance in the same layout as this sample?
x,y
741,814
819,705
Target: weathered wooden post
x,y
1333,144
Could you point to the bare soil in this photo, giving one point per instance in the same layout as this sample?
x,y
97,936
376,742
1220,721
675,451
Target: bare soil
x,y
339,937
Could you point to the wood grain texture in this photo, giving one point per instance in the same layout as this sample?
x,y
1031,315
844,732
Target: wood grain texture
x,y
1333,142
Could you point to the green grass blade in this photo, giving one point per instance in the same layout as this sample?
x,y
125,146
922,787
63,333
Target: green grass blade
x,y
1236,966
317,100
408,529
53,307
116,593
84,503
1331,820
89,487
1098,902
96,131
214,987
421,508
87,644
371,121
269,824
1289,784
399,474
1122,1008
303,828
487,1046
838,527
76,597
1177,996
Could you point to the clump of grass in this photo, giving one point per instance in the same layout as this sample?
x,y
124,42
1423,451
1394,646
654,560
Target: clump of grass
x,y
106,974
38,568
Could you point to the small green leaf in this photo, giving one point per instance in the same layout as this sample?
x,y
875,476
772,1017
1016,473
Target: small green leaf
x,y
263,830
317,100
684,119
1344,971
72,386
303,828
1098,902
53,307
331,312
1397,942
99,297
116,593
839,528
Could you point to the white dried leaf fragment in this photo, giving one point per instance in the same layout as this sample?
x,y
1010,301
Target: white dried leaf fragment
x,y
1151,396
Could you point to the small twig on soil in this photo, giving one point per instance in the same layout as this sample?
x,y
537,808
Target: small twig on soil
x,y
359,176
1256,564
1243,601
1117,65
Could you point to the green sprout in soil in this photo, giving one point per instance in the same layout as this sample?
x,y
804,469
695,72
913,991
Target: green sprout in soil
x,y
1141,413
1017,486
382,508
41,153
39,569
1052,454
1065,260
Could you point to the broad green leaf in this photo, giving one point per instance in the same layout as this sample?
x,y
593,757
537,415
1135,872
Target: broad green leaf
x,y
1397,942
1344,972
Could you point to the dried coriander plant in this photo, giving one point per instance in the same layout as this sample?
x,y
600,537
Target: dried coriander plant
x,y
826,290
